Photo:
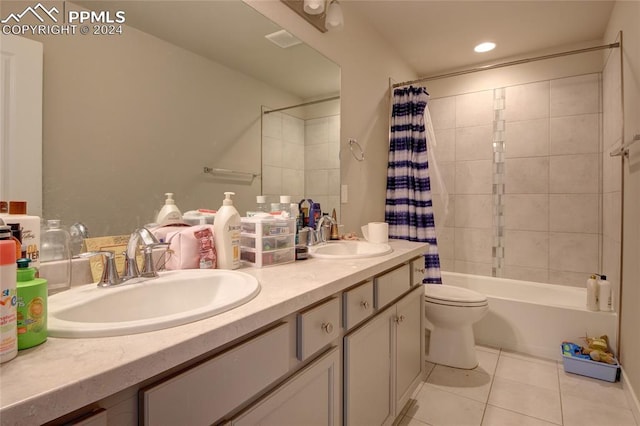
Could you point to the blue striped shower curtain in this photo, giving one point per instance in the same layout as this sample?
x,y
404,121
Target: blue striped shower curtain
x,y
408,209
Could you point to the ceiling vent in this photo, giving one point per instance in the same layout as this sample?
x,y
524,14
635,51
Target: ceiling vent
x,y
282,39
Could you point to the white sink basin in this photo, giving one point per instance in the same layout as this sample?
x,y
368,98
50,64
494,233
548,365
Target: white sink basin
x,y
349,250
175,298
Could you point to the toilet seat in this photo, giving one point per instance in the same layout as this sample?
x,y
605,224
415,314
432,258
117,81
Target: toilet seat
x,y
453,296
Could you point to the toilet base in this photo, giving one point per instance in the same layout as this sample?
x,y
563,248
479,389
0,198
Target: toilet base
x,y
453,347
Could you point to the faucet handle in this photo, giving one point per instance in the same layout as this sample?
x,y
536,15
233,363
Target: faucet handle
x,y
149,267
131,269
110,275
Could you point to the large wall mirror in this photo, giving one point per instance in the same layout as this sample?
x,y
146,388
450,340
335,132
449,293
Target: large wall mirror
x,y
128,117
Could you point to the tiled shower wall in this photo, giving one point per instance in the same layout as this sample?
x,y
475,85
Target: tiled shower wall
x,y
322,162
283,153
301,158
522,166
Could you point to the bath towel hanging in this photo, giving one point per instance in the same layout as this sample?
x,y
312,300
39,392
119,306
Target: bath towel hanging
x,y
409,208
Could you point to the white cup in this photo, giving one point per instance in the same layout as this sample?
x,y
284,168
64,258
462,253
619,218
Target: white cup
x,y
376,232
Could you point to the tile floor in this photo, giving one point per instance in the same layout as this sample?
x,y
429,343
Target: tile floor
x,y
509,389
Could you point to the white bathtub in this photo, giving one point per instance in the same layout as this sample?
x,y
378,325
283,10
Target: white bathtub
x,y
531,317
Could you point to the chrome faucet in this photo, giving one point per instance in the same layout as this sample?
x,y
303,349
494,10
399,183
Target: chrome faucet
x,y
319,235
110,275
149,243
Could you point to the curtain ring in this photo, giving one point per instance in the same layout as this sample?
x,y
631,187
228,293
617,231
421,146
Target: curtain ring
x,y
360,156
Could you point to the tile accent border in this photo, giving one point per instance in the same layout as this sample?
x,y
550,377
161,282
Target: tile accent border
x,y
498,191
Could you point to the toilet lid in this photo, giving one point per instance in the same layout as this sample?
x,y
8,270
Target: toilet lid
x,y
455,296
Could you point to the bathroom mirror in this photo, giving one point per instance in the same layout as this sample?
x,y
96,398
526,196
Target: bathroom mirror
x,y
133,114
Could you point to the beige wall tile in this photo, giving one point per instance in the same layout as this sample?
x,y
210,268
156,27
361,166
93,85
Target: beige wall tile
x,y
527,101
574,213
573,174
529,138
573,252
527,175
526,248
575,95
528,212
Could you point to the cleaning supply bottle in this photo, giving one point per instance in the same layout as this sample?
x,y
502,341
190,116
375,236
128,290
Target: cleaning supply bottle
x,y
226,230
8,301
604,297
592,293
32,306
169,213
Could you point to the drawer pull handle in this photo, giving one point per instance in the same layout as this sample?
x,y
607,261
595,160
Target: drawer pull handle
x,y
400,319
421,270
327,327
364,304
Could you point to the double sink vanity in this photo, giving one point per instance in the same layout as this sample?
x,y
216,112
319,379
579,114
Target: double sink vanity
x,y
334,339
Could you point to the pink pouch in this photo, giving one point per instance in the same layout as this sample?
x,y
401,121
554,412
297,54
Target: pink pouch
x,y
186,246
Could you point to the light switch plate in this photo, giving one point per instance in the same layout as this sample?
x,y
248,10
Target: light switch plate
x,y
344,194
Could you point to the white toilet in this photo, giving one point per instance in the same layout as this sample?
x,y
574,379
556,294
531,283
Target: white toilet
x,y
451,312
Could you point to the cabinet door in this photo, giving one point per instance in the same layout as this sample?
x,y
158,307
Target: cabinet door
x,y
367,372
204,393
311,397
409,345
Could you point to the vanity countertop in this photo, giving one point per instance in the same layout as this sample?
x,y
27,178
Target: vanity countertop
x,y
62,375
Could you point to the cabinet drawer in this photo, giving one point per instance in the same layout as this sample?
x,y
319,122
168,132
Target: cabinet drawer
x,y
357,304
317,327
206,392
391,285
417,271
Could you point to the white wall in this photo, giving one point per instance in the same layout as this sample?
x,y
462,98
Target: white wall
x,y
625,17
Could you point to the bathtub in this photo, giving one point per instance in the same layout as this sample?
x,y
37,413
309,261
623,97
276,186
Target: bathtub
x,y
532,317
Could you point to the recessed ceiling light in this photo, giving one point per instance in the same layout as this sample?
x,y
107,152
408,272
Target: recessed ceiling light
x,y
484,47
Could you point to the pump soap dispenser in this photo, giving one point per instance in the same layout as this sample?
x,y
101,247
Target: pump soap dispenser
x,y
169,212
226,230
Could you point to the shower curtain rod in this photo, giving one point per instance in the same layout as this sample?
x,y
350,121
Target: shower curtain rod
x,y
507,64
303,104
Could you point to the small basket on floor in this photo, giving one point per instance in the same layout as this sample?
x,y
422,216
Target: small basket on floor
x,y
589,368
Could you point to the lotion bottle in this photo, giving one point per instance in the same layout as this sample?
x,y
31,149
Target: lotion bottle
x,y
170,213
605,299
592,293
226,230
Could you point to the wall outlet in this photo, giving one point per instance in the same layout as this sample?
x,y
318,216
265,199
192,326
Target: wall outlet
x,y
344,194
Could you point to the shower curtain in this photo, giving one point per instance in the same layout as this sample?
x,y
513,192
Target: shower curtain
x,y
409,209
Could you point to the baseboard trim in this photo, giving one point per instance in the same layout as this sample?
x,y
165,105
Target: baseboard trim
x,y
632,397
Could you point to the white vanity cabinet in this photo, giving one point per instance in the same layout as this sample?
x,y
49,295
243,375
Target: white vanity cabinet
x,y
310,398
351,357
384,358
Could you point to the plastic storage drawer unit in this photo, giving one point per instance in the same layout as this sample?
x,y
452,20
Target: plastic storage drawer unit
x,y
267,241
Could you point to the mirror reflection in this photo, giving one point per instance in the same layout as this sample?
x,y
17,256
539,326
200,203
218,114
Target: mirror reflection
x,y
128,117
